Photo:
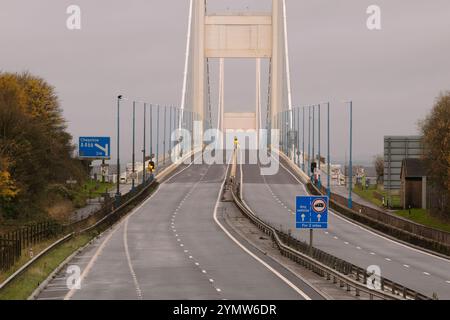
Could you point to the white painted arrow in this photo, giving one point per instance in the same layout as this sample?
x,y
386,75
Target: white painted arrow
x,y
105,149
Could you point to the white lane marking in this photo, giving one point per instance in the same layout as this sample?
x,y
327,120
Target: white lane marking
x,y
365,229
335,238
427,274
289,283
130,265
359,248
372,253
89,266
448,281
406,266
387,259
346,243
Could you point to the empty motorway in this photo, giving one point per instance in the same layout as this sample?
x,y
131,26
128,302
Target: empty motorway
x,y
273,199
174,246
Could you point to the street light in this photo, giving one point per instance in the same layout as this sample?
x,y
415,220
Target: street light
x,y
320,154
134,148
118,195
144,172
350,201
303,138
309,142
328,153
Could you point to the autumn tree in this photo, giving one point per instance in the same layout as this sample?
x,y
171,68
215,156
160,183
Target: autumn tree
x,y
436,139
33,142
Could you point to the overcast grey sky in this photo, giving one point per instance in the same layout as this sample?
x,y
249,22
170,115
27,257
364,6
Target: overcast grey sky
x,y
137,48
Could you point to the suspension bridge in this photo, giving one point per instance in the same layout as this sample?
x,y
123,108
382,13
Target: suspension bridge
x,y
188,240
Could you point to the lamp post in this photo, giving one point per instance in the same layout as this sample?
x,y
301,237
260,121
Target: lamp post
x,y
303,138
134,148
313,140
118,195
320,155
144,171
328,152
157,138
164,136
298,137
309,142
350,184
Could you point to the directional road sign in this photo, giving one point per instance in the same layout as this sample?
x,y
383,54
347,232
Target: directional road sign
x,y
312,212
95,148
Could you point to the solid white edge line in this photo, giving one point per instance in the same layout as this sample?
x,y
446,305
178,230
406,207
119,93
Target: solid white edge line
x,y
367,230
289,283
130,265
89,266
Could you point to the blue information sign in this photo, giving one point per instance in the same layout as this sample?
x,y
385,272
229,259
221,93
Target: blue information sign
x,y
312,212
94,148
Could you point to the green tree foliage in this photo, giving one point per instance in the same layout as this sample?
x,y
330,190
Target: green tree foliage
x,y
436,138
35,149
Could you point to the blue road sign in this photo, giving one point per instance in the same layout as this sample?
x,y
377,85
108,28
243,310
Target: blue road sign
x,y
94,148
312,212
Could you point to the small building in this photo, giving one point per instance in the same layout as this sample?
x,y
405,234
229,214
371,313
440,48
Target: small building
x,y
413,188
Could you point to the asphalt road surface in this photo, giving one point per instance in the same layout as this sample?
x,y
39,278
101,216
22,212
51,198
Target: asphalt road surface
x,y
173,247
273,199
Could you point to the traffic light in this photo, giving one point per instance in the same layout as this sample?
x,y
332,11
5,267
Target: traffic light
x,y
151,166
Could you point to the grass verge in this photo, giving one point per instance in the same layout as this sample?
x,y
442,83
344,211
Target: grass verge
x,y
25,284
423,217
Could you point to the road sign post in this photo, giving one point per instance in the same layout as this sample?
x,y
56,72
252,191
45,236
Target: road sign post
x,y
312,213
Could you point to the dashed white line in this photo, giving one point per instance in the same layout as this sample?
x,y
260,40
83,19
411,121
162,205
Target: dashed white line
x,y
289,283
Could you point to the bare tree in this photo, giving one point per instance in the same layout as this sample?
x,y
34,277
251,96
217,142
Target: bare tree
x,y
378,163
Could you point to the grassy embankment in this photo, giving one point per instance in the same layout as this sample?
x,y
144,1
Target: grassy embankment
x,y
420,216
